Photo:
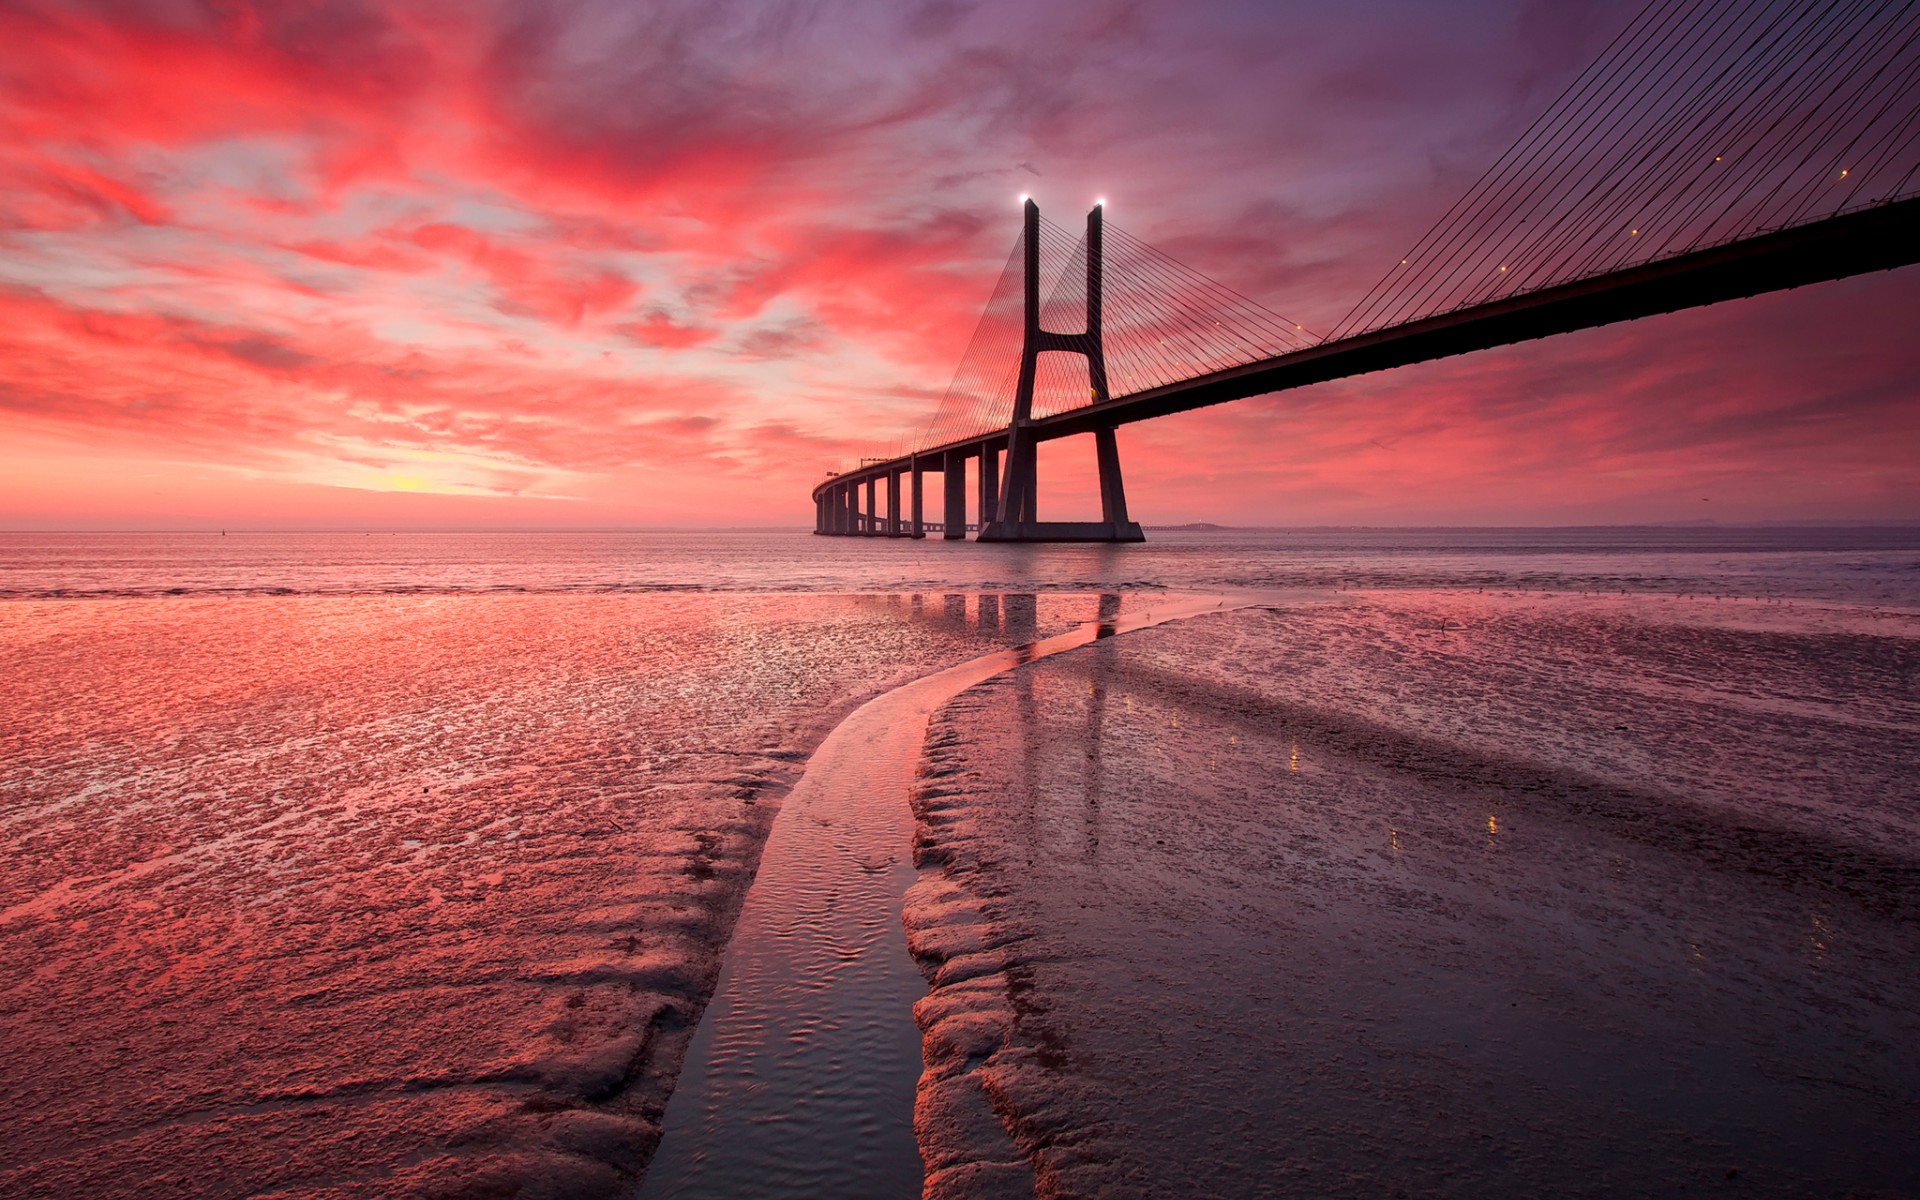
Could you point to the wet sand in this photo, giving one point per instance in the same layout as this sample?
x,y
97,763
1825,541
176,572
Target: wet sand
x,y
1430,893
393,895
801,1080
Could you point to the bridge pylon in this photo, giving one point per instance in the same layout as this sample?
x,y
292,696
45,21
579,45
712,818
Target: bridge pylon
x,y
1015,518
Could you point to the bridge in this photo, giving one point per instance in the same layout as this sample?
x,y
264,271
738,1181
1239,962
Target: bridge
x,y
1712,151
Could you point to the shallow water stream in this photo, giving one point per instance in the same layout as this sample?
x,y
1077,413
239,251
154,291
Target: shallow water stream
x,y
801,1079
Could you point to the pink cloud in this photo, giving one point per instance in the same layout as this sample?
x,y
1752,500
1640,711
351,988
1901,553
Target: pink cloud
x,y
613,246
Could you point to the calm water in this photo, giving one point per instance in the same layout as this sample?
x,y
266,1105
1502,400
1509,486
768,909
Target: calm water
x,y
1876,566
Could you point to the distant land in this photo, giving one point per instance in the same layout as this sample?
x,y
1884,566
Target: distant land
x,y
1884,523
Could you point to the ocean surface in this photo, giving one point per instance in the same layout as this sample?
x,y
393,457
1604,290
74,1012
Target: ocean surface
x,y
1868,565
403,864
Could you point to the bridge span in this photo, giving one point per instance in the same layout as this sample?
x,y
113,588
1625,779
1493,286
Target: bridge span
x,y
1756,149
886,498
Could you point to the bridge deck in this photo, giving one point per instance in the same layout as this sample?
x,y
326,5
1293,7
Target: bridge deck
x,y
1871,239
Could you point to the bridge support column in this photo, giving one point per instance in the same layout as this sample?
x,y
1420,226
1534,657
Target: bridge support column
x,y
893,504
917,528
953,482
1113,493
872,524
849,510
989,503
1017,518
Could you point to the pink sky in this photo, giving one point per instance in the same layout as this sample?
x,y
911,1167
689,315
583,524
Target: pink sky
x,y
342,264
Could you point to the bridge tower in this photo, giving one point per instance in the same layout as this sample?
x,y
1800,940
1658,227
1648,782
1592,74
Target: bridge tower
x,y
1015,518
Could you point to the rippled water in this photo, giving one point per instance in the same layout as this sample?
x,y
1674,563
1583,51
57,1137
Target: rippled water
x,y
1868,565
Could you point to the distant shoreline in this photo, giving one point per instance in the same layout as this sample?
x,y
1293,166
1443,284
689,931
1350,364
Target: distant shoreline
x,y
1188,527
1210,527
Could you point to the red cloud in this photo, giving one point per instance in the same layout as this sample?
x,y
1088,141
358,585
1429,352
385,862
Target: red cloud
x,y
527,283
616,241
658,328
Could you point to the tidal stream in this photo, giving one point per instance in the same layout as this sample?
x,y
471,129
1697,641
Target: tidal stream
x,y
800,1081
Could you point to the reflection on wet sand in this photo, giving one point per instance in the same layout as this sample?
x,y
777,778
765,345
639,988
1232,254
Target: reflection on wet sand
x,y
1578,934
808,1042
417,895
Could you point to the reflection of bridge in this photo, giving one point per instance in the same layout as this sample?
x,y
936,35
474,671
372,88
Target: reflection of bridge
x,y
1712,152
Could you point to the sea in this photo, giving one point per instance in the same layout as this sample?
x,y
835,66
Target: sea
x,y
1873,565
386,863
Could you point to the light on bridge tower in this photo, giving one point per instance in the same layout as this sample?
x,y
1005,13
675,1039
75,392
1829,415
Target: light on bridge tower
x,y
1016,518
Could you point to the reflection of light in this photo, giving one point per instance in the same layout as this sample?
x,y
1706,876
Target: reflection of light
x,y
1493,826
1293,760
1393,837
1819,938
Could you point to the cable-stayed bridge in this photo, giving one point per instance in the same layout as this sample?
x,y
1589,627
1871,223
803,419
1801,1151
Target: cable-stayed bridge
x,y
1712,151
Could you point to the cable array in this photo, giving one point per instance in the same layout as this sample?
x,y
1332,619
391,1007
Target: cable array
x,y
1703,122
980,397
1164,322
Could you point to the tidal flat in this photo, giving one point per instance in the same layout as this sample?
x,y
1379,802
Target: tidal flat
x,y
397,895
1500,862
1431,893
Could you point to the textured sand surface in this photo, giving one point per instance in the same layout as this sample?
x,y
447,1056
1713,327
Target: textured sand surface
x,y
395,895
1431,893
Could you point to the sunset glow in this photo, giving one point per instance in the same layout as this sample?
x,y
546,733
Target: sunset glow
x,y
368,262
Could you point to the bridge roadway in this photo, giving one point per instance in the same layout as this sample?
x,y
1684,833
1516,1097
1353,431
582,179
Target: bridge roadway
x,y
1876,238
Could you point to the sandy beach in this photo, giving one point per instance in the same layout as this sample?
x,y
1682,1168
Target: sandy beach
x,y
1430,893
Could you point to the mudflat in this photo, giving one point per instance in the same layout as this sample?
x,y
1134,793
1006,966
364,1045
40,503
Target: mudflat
x,y
1431,893
395,895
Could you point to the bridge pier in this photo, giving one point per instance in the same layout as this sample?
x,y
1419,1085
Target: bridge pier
x,y
1113,492
988,504
953,482
893,504
917,526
